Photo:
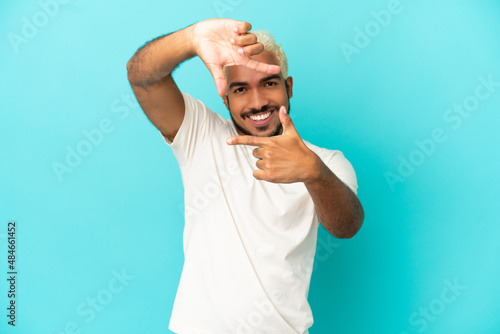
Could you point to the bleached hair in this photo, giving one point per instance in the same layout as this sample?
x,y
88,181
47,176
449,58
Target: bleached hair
x,y
270,45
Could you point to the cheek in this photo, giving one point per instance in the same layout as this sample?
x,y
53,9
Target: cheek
x,y
235,115
235,108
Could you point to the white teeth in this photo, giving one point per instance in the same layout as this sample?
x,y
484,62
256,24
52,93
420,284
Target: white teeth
x,y
260,117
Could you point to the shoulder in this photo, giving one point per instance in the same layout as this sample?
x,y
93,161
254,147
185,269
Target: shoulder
x,y
198,111
192,102
198,126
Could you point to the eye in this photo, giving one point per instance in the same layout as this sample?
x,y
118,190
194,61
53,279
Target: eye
x,y
270,83
239,90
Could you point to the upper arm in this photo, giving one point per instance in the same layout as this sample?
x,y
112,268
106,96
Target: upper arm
x,y
163,104
344,170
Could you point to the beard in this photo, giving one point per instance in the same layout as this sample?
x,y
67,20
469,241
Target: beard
x,y
276,131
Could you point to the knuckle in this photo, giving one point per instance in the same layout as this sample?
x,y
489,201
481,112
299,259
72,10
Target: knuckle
x,y
238,40
256,50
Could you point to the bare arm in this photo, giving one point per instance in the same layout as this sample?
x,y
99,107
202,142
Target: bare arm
x,y
149,74
149,70
339,209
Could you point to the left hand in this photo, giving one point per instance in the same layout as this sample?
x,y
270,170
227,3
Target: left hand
x,y
284,158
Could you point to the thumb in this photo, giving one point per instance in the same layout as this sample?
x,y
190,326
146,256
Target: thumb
x,y
286,121
219,79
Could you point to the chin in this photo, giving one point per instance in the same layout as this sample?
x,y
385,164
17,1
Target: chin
x,y
270,131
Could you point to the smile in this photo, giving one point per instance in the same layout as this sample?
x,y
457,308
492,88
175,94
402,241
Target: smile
x,y
260,117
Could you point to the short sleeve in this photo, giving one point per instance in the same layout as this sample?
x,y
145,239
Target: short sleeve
x,y
198,124
343,169
338,164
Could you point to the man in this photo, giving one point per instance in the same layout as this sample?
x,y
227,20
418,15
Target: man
x,y
255,192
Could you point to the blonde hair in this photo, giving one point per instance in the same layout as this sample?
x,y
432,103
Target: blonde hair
x,y
270,45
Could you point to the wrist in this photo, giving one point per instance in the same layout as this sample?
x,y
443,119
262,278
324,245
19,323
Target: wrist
x,y
192,40
314,170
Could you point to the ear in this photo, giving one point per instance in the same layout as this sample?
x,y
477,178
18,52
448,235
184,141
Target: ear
x,y
289,86
226,101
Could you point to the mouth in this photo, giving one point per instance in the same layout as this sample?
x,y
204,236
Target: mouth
x,y
260,119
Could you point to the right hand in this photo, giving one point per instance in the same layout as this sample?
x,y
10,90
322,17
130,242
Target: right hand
x,y
212,42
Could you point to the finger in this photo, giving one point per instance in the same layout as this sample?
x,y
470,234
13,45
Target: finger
x,y
259,174
261,67
258,152
243,40
286,121
247,140
261,164
242,27
251,50
219,79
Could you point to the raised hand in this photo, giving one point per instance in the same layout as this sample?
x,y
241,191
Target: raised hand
x,y
225,42
284,158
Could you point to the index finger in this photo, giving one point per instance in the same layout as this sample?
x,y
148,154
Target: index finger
x,y
262,67
247,140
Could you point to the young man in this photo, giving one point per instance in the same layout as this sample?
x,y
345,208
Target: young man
x,y
255,192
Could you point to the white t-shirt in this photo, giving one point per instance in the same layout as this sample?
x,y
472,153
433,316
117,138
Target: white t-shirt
x,y
249,245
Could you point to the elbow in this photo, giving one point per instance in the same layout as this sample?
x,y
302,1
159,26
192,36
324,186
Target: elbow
x,y
129,70
135,74
346,223
348,234
129,65
132,72
351,227
356,222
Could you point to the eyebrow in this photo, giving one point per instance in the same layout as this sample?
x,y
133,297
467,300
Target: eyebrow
x,y
242,83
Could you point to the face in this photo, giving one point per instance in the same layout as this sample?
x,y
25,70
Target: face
x,y
254,98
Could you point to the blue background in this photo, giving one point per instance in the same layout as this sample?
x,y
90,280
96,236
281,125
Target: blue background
x,y
120,207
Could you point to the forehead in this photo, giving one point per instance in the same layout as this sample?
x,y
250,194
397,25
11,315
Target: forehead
x,y
245,74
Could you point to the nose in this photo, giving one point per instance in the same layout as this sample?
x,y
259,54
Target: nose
x,y
257,99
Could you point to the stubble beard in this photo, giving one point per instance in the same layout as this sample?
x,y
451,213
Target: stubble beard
x,y
276,132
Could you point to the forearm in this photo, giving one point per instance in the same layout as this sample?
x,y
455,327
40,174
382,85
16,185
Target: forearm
x,y
338,208
156,60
